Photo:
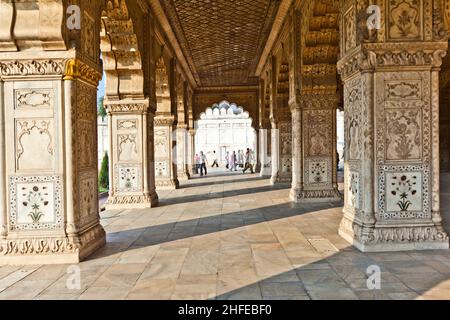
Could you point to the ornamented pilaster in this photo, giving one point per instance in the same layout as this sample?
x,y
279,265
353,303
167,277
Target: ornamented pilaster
x,y
391,102
3,184
182,159
266,163
315,159
131,184
50,160
191,152
165,164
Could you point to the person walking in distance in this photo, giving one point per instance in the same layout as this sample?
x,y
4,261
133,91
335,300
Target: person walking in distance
x,y
233,160
248,161
240,158
203,163
227,160
197,164
215,160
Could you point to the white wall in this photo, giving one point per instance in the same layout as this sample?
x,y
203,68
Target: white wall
x,y
226,128
103,139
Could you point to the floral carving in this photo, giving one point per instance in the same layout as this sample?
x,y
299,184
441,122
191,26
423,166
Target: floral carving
x,y
404,188
25,128
35,200
405,19
403,135
128,176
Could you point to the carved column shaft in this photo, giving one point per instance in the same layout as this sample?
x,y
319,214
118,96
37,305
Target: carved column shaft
x,y
51,160
275,137
165,148
3,189
297,154
315,159
182,153
266,165
400,144
391,102
282,150
191,151
131,184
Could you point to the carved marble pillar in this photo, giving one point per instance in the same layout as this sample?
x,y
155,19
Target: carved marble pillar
x,y
266,163
391,102
315,158
275,152
3,180
165,147
191,152
49,151
282,150
182,153
132,179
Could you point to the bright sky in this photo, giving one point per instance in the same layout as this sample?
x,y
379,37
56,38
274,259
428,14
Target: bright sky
x,y
101,88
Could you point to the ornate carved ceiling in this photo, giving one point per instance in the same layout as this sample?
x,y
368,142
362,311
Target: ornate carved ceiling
x,y
222,39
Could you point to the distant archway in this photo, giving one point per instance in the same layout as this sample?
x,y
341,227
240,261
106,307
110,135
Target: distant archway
x,y
225,128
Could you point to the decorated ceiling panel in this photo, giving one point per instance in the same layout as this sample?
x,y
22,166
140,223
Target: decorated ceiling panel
x,y
222,39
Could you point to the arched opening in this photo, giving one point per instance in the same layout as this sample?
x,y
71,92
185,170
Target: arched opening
x,y
128,100
224,132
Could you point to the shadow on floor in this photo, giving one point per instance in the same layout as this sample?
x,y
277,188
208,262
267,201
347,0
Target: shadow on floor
x,y
219,195
211,183
121,241
344,276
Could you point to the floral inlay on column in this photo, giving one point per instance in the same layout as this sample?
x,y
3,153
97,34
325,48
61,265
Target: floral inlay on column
x,y
405,188
35,201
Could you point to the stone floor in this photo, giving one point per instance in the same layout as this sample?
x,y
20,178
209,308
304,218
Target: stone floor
x,y
234,237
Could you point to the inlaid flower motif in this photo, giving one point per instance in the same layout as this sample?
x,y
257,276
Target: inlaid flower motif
x,y
128,177
404,188
35,201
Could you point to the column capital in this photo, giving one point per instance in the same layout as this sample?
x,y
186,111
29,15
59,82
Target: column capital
x,y
164,119
182,126
128,106
371,56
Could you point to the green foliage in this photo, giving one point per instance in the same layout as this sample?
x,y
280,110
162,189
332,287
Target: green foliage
x,y
101,111
103,180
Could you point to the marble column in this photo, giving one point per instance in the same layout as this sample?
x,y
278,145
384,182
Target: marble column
x,y
132,183
282,150
391,102
191,152
165,148
266,163
314,149
48,126
3,181
182,153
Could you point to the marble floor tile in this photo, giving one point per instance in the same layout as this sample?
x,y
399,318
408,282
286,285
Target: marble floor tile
x,y
233,237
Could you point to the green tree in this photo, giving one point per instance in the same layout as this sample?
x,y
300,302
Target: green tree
x,y
103,180
101,111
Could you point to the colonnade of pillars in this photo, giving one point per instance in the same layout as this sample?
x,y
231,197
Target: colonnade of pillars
x,y
48,94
